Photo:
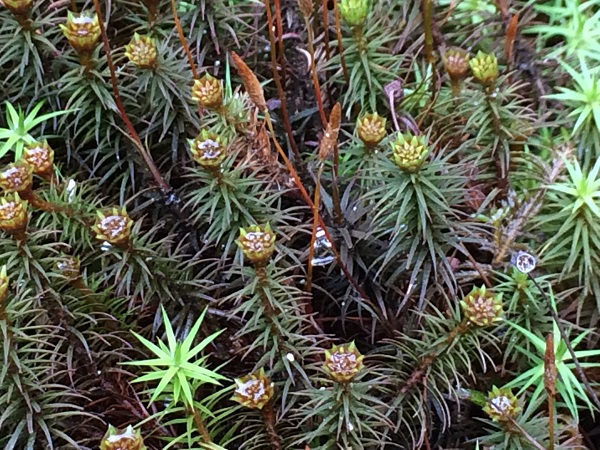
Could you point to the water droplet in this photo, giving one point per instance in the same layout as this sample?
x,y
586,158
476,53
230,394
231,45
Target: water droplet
x,y
524,261
71,185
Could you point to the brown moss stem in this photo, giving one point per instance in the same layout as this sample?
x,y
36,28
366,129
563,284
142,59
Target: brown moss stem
x,y
200,425
278,83
325,18
419,374
269,420
162,184
314,75
427,6
565,338
311,247
340,45
181,35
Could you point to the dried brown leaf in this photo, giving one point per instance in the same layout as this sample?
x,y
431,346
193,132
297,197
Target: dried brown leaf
x,y
329,140
550,367
251,83
306,7
511,34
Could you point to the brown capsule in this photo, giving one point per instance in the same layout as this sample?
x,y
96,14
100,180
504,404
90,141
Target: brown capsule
x,y
17,177
141,51
41,158
306,8
208,92
13,215
113,226
251,83
371,129
253,391
82,31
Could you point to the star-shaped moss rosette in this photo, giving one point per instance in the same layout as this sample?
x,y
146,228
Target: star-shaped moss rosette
x,y
18,7
126,439
371,129
257,243
113,226
141,51
343,362
3,284
485,68
208,92
13,214
208,149
409,152
17,177
253,391
482,307
82,31
456,63
40,157
501,405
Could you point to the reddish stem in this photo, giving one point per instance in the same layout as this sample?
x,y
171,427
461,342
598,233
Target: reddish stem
x,y
325,15
310,203
338,32
276,78
186,49
136,138
311,248
279,31
313,70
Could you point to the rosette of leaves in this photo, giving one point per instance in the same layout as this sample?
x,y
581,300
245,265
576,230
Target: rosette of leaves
x,y
494,121
27,40
571,222
367,59
343,407
224,199
180,370
437,353
508,427
39,399
20,125
158,97
58,328
570,390
274,320
525,307
583,101
416,219
575,23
